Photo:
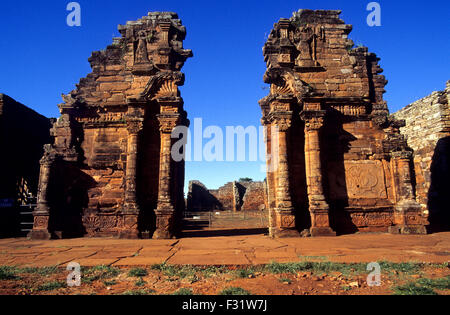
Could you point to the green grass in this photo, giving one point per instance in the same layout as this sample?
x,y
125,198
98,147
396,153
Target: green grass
x,y
138,272
316,267
423,287
406,268
99,273
286,280
234,291
8,273
181,272
245,273
183,291
346,288
346,269
139,292
44,271
109,283
140,283
308,258
50,286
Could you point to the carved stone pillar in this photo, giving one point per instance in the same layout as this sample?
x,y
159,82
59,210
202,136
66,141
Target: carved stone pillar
x,y
42,213
165,212
318,206
130,211
408,218
284,224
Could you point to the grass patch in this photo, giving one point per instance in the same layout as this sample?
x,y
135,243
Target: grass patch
x,y
44,271
308,258
138,272
109,283
439,284
423,287
183,291
139,292
8,273
181,272
50,286
413,289
285,280
234,291
140,283
406,268
99,273
245,273
316,267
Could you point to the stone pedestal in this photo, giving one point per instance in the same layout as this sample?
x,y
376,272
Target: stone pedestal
x,y
42,213
408,217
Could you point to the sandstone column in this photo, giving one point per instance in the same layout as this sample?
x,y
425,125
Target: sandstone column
x,y
408,218
165,212
131,209
42,213
318,206
284,212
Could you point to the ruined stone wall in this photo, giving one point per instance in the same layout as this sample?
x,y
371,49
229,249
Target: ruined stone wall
x,y
428,130
255,196
340,163
233,196
110,170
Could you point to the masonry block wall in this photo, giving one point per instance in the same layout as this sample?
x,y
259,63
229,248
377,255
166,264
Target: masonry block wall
x,y
428,133
233,196
110,171
339,163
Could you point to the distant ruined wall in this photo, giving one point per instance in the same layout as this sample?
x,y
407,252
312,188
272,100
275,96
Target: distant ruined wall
x,y
427,130
233,196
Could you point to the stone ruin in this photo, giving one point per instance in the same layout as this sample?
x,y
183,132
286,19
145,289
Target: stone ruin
x,y
428,132
341,164
234,196
110,171
337,160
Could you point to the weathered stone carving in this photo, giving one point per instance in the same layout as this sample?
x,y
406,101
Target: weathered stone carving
x,y
109,172
353,172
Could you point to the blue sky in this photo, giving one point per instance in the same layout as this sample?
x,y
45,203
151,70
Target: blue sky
x,y
41,57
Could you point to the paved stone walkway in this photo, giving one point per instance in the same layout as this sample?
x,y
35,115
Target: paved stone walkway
x,y
232,250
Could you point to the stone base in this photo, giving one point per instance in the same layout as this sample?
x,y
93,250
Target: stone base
x,y
284,233
408,230
129,235
39,235
322,231
163,235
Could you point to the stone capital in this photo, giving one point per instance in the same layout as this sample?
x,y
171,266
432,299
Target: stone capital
x,y
314,120
282,120
168,122
135,125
